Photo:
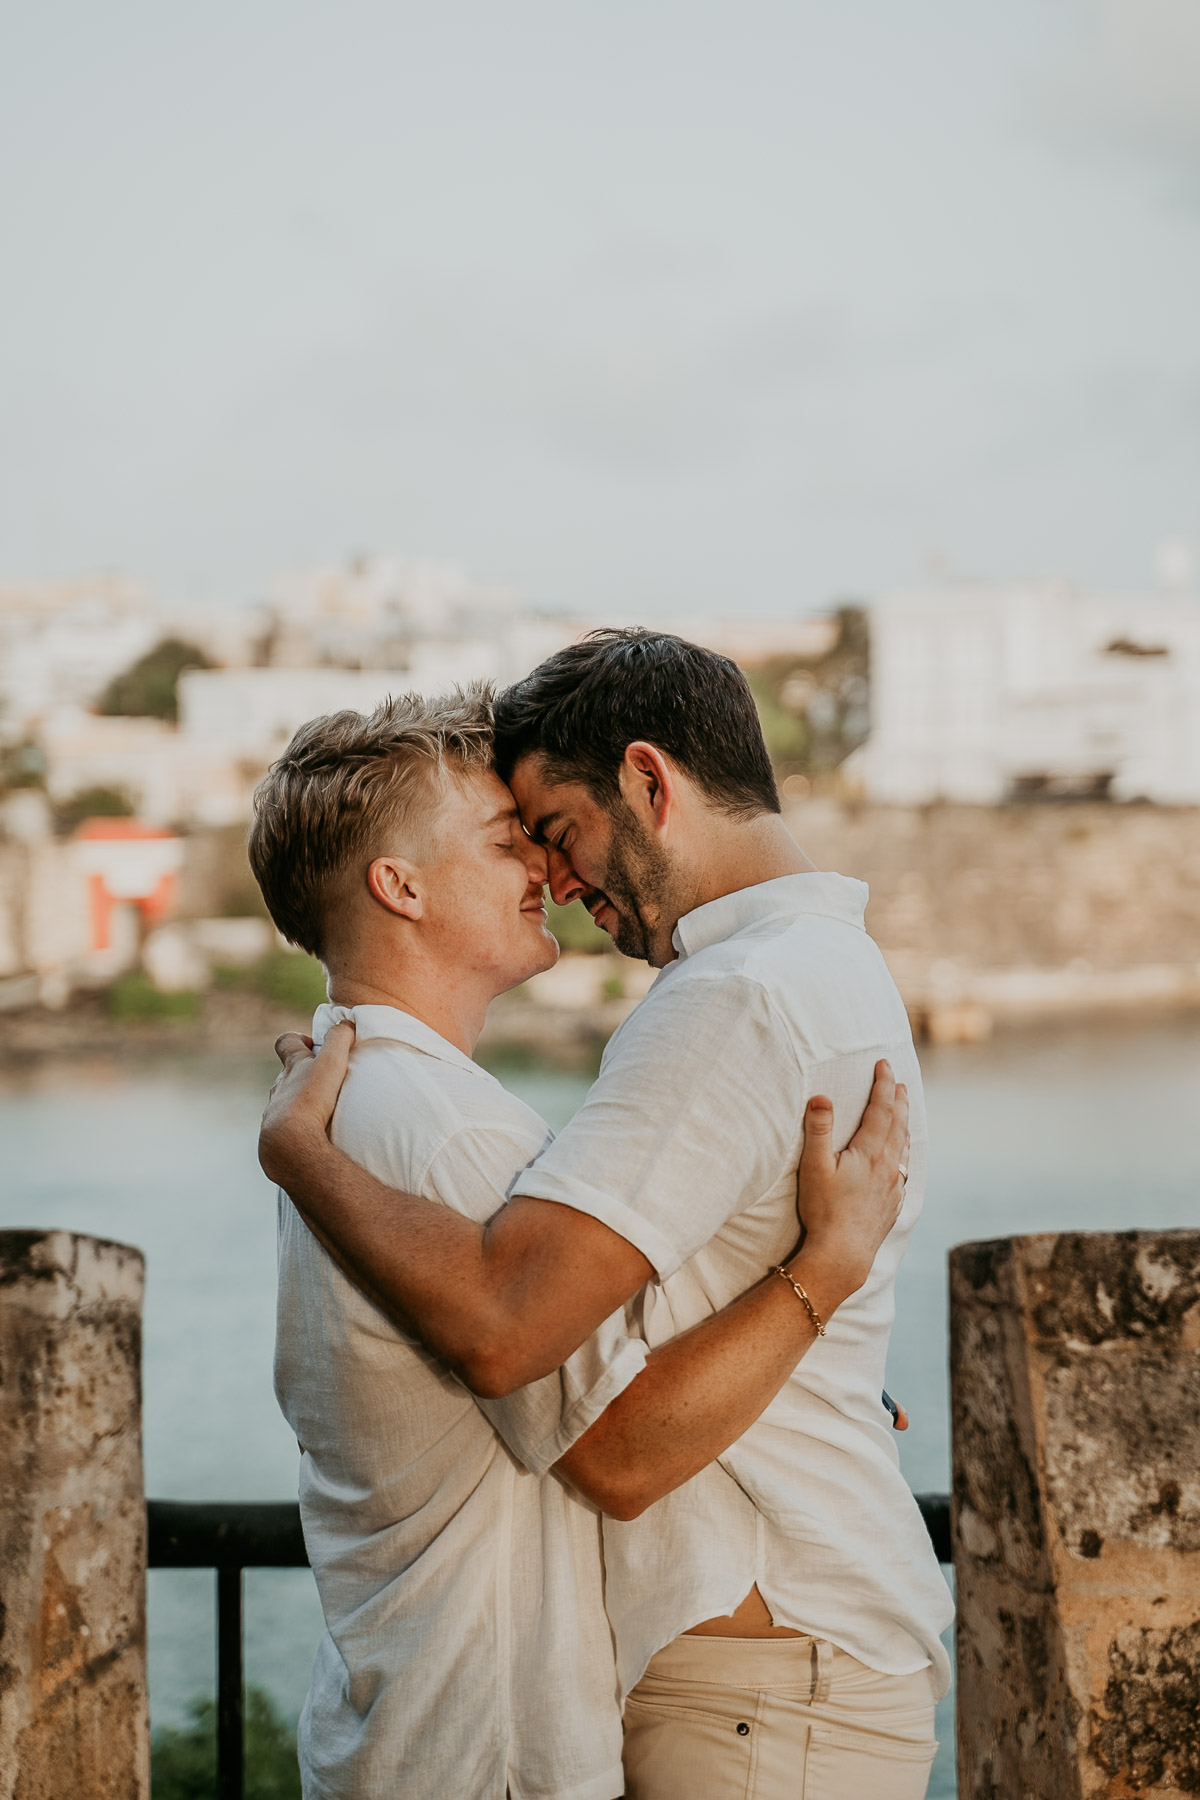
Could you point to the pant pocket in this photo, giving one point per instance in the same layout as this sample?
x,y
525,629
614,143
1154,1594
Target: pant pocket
x,y
680,1752
866,1765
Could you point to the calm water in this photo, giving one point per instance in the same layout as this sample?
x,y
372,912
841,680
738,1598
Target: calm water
x,y
1081,1128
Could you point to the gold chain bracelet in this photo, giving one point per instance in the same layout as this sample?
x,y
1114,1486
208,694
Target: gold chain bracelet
x,y
814,1315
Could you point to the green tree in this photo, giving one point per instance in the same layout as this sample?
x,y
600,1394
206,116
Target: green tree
x,y
93,803
149,689
22,766
785,735
285,977
183,1759
814,709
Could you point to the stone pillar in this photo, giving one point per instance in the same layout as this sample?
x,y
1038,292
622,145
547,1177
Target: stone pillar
x,y
1075,1375
73,1711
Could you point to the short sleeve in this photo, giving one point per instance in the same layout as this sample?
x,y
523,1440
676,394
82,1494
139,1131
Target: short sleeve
x,y
697,1111
539,1423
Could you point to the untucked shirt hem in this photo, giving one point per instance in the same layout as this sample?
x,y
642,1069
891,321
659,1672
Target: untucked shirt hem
x,y
609,1786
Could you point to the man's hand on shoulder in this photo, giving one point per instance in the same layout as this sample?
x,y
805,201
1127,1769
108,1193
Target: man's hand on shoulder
x,y
295,1125
848,1201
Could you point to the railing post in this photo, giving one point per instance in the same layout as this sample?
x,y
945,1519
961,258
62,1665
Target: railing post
x,y
73,1711
1075,1386
230,1686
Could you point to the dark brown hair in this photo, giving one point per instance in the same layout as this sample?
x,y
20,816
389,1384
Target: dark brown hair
x,y
580,708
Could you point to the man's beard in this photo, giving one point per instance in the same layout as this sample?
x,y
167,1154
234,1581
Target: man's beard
x,y
636,885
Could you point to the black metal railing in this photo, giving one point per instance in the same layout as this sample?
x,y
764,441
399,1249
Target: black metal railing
x,y
233,1535
228,1536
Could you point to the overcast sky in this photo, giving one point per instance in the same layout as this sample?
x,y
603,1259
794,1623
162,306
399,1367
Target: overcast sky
x,y
657,304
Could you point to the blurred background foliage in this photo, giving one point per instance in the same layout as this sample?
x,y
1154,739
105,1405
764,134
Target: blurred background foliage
x,y
815,710
574,928
133,996
183,1759
92,803
286,977
149,689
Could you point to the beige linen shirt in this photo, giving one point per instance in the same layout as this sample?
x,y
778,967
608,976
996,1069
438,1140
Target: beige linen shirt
x,y
687,1146
466,1650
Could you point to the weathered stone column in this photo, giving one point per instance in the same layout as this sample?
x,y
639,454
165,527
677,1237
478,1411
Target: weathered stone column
x,y
1075,1373
73,1713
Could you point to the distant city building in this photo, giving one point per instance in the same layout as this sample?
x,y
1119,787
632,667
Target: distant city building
x,y
251,713
61,642
984,693
751,642
396,613
168,777
127,864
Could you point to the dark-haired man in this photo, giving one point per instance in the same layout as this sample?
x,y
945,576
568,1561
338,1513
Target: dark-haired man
x,y
777,1618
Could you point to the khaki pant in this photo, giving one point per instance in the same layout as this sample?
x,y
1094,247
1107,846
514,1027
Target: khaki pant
x,y
775,1719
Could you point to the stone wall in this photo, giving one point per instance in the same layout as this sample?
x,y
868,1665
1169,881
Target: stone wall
x,y
1075,1377
1023,910
1041,885
73,1706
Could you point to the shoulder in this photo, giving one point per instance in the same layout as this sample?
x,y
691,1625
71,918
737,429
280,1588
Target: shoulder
x,y
703,1025
707,992
401,1111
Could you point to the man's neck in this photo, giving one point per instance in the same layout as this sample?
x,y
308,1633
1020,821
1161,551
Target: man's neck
x,y
447,1001
741,854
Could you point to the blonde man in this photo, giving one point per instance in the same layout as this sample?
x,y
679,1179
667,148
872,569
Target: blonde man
x,y
467,1653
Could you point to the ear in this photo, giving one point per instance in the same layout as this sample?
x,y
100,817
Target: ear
x,y
649,784
393,883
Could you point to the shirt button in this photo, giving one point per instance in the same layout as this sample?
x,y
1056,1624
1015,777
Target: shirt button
x,y
743,1730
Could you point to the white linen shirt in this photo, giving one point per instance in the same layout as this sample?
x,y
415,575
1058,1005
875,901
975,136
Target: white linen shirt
x,y
687,1146
466,1650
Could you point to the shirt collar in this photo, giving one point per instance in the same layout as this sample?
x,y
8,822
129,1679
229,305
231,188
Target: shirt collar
x,y
397,1027
826,895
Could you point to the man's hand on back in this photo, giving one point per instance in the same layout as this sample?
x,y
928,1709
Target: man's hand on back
x,y
848,1201
295,1125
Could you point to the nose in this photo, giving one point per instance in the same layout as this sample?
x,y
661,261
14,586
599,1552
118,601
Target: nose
x,y
565,884
535,862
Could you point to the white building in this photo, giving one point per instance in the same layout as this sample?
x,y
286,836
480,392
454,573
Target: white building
x,y
380,612
62,642
251,713
980,692
171,779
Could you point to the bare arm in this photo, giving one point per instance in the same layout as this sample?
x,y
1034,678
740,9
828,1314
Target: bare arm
x,y
500,1304
701,1391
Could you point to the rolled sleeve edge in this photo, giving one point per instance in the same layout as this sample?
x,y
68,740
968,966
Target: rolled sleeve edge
x,y
633,1226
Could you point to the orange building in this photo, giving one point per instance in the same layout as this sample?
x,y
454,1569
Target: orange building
x,y
127,863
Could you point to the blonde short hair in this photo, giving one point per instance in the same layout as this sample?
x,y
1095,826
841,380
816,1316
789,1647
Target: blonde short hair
x,y
346,786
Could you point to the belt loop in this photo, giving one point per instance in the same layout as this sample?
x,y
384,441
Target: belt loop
x,y
822,1671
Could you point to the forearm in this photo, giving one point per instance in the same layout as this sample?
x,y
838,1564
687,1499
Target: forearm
x,y
385,1240
700,1392
501,1305
352,1274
